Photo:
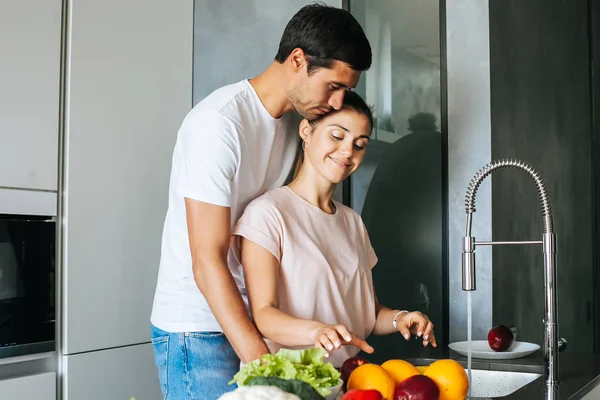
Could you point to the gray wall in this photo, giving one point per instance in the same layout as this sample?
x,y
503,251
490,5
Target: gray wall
x,y
540,97
469,148
223,55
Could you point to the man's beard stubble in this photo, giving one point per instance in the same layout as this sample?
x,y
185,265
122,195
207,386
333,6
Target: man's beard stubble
x,y
303,110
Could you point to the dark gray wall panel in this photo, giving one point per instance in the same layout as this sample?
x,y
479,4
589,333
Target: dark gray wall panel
x,y
540,108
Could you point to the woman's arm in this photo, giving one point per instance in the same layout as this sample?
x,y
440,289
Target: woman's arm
x,y
406,323
385,318
261,271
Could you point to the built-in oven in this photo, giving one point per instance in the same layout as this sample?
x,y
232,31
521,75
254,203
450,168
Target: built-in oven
x,y
27,284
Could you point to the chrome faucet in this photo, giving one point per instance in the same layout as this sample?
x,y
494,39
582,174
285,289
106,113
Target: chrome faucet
x,y
548,242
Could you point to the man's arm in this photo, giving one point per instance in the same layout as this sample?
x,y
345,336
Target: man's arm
x,y
209,228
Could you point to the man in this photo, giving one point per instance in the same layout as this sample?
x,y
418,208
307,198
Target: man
x,y
232,147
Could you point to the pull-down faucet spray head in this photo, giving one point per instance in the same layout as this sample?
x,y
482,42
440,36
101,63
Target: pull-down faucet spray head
x,y
468,263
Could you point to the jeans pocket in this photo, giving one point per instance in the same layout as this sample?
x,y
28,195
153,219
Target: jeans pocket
x,y
205,335
211,363
160,344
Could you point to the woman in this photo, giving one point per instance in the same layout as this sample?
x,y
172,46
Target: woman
x,y
307,258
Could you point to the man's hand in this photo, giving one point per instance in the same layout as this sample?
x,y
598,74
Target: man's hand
x,y
209,230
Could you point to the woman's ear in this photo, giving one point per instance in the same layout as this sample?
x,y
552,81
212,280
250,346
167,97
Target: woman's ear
x,y
305,129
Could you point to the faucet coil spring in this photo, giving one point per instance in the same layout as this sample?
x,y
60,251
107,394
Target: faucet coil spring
x,y
508,163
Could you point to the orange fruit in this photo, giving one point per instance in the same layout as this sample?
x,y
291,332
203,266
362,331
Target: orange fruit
x,y
451,379
422,368
372,376
399,370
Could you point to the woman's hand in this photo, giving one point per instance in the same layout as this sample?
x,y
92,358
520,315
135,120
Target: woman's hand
x,y
417,324
332,337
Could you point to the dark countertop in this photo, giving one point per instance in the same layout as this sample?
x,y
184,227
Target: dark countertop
x,y
578,373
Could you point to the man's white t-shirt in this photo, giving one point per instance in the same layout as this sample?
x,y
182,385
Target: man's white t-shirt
x,y
229,151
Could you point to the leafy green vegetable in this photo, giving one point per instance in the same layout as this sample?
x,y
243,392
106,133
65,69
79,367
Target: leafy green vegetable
x,y
294,386
305,365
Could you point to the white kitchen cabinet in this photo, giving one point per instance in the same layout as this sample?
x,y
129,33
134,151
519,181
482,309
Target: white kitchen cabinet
x,y
29,93
115,374
31,387
27,202
129,88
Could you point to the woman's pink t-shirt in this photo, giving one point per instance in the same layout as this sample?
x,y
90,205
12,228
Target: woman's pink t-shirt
x,y
325,260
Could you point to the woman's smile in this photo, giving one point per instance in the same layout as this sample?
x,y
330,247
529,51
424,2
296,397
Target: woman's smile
x,y
340,163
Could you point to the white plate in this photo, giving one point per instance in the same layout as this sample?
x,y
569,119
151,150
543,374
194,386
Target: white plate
x,y
481,349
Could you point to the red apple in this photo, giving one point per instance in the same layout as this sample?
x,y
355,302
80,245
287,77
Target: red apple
x,y
417,387
500,338
350,365
356,394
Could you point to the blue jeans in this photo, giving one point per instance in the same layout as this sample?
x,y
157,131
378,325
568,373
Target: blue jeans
x,y
194,365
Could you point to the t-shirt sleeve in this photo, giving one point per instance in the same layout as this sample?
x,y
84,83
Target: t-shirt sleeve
x,y
260,223
367,243
208,155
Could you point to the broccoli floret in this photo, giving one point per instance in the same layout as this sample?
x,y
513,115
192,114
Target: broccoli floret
x,y
294,386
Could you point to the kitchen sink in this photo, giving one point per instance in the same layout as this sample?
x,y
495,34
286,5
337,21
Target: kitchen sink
x,y
487,384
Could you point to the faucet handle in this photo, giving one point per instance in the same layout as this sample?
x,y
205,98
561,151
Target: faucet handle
x,y
562,344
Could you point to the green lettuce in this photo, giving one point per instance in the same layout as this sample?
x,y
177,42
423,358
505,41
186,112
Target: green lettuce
x,y
305,365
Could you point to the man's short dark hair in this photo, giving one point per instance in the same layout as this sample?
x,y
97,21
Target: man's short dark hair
x,y
326,34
